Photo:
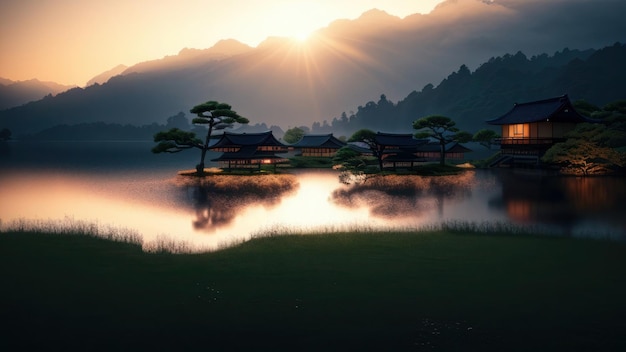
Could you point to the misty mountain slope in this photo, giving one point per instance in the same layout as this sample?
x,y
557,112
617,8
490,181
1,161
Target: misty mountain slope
x,y
189,57
285,83
105,76
14,94
471,98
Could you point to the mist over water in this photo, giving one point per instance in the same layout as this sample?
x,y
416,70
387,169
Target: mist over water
x,y
123,185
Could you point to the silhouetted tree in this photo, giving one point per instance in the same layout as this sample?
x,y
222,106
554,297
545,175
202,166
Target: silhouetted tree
x,y
212,113
486,138
352,166
584,107
618,106
369,137
442,129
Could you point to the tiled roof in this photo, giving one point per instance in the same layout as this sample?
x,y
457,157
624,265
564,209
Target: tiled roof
x,y
558,109
230,139
399,140
360,147
452,147
319,141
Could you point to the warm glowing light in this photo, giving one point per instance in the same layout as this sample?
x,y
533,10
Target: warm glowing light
x,y
301,37
80,41
296,19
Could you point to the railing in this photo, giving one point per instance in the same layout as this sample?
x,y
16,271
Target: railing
x,y
528,141
526,146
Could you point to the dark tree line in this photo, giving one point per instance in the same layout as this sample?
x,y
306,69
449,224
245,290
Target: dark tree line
x,y
471,98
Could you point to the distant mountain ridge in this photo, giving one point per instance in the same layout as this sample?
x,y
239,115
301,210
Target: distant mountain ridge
x,y
471,98
223,49
285,83
105,76
16,93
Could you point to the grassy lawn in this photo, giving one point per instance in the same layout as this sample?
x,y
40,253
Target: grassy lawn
x,y
382,292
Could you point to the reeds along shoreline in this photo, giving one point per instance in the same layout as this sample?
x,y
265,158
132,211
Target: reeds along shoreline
x,y
166,244
69,226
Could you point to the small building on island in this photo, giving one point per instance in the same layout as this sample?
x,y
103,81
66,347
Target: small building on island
x,y
248,150
318,145
404,150
432,151
398,150
530,129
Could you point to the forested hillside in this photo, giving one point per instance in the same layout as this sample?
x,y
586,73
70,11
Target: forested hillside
x,y
471,98
288,83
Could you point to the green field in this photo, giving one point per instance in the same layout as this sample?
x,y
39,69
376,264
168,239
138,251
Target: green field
x,y
361,291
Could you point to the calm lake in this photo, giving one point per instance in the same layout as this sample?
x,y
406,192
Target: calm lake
x,y
123,185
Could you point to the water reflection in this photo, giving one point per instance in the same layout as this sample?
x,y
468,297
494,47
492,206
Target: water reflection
x,y
218,199
207,214
573,205
396,196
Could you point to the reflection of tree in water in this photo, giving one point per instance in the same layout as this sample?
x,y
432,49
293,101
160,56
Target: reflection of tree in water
x,y
405,195
218,199
560,201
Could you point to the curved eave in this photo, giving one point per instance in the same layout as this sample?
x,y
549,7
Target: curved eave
x,y
243,157
319,141
558,109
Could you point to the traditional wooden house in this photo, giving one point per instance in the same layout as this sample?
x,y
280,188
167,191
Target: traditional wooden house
x,y
248,150
398,150
431,151
405,151
322,145
529,129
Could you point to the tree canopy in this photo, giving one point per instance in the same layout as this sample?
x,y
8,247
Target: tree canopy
x,y
593,148
442,129
369,138
293,135
486,138
175,140
214,115
582,157
352,165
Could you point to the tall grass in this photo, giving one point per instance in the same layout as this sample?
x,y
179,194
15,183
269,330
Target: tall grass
x,y
168,244
500,228
69,226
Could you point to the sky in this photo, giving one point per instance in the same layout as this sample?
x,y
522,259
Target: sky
x,y
71,41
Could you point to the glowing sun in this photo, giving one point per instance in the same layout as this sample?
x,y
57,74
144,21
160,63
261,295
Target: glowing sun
x,y
295,19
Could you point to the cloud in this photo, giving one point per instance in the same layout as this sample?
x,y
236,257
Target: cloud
x,y
352,62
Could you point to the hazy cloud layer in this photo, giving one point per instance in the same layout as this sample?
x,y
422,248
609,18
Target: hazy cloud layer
x,y
348,63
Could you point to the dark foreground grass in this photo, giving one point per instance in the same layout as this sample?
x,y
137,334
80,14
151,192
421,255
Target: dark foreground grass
x,y
381,292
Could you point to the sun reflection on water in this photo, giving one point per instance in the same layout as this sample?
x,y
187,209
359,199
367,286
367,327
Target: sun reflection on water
x,y
191,214
181,213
